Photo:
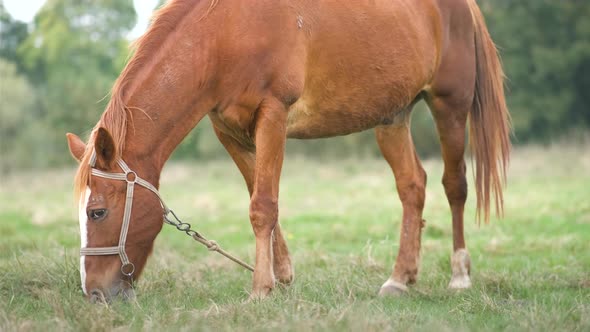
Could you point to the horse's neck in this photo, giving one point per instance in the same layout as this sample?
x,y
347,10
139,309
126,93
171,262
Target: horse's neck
x,y
158,128
166,101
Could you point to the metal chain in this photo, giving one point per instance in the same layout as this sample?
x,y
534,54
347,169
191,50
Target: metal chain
x,y
210,244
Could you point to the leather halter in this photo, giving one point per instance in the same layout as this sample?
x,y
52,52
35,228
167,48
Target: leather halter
x,y
129,176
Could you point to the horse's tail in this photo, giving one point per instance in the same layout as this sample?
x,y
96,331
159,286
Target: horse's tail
x,y
489,121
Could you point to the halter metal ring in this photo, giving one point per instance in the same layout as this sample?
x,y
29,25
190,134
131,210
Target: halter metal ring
x,y
131,177
125,267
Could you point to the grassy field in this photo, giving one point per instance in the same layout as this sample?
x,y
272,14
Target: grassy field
x,y
531,270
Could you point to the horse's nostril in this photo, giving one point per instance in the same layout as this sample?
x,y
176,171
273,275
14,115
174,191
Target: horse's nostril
x,y
97,296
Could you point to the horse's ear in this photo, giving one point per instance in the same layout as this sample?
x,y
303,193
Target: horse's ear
x,y
76,145
104,145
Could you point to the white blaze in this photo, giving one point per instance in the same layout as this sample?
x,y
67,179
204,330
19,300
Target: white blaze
x,y
83,234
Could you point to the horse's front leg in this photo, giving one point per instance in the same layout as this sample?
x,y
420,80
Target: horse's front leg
x,y
245,160
270,137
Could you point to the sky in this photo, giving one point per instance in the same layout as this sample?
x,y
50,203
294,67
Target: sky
x,y
25,10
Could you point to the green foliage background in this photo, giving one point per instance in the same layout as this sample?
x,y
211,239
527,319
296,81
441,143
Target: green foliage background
x,y
56,73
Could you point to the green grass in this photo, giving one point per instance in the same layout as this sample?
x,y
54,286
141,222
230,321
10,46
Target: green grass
x,y
531,270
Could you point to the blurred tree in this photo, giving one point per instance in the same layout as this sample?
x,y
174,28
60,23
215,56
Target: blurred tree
x,y
73,54
66,31
16,106
12,34
161,3
545,46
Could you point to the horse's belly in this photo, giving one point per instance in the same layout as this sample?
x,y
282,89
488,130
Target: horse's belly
x,y
306,121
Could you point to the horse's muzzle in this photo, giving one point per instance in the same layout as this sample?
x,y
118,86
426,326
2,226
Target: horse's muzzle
x,y
97,296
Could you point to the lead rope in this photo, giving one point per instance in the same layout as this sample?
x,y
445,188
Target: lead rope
x,y
210,244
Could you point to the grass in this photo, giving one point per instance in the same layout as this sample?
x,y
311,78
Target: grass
x,y
531,270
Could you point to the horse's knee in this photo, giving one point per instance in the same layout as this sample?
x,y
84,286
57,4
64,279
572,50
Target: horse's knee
x,y
263,214
412,193
423,175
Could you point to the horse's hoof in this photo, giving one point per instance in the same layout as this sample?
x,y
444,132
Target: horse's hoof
x,y
393,288
284,276
259,295
461,266
458,283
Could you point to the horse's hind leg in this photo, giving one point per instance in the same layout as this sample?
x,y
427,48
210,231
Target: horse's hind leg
x,y
396,145
450,97
245,160
450,114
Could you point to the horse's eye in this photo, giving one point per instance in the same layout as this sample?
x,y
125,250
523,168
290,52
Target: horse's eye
x,y
97,215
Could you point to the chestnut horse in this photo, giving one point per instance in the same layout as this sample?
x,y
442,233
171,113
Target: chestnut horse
x,y
267,70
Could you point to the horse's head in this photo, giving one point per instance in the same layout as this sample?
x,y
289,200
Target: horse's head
x,y
114,251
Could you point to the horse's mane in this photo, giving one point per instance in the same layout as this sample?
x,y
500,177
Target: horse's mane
x,y
115,117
